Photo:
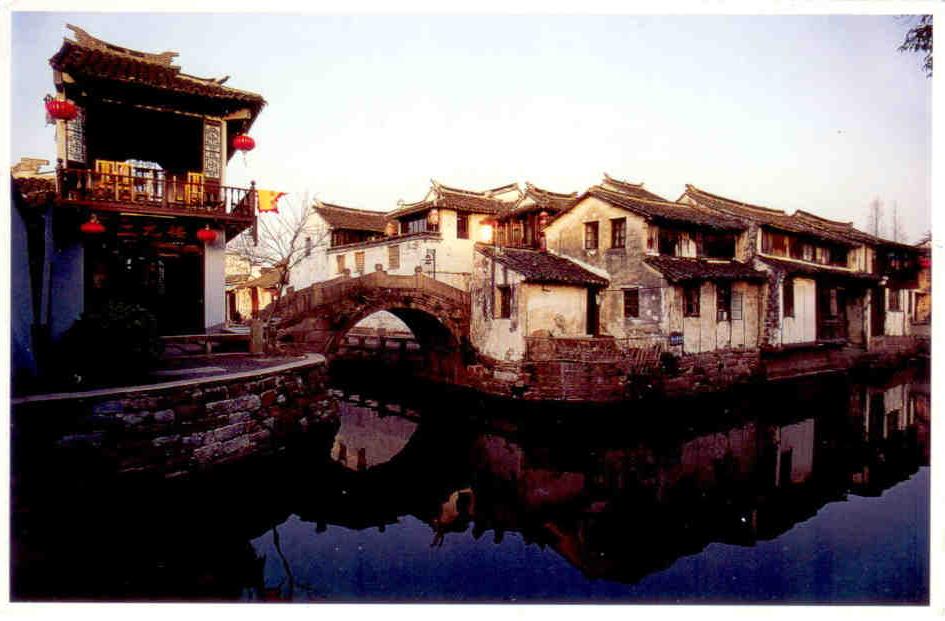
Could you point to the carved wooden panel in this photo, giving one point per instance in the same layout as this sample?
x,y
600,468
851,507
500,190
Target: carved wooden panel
x,y
75,138
212,149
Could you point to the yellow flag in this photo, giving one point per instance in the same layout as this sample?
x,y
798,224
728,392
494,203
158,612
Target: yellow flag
x,y
269,200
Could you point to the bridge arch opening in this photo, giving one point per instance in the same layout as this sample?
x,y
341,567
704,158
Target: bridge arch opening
x,y
414,335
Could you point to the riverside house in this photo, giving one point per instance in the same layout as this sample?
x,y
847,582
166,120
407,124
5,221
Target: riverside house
x,y
138,207
827,281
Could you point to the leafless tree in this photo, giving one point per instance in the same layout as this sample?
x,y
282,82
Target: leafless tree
x,y
876,217
283,240
896,232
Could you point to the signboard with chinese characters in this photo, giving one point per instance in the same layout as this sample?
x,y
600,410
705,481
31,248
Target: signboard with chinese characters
x,y
212,149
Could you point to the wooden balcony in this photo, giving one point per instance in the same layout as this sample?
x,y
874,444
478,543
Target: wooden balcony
x,y
151,192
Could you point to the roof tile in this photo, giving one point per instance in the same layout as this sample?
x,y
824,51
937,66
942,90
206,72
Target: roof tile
x,y
543,267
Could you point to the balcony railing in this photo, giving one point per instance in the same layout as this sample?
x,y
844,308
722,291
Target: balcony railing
x,y
154,190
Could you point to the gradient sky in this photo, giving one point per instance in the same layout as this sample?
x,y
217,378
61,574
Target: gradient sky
x,y
820,113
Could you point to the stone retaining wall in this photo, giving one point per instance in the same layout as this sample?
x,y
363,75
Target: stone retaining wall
x,y
175,428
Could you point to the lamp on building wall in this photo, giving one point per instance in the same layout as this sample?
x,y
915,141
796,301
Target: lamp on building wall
x,y
207,235
433,218
93,226
61,109
390,229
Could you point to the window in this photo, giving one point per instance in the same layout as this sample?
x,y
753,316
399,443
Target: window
x,y
788,289
590,236
895,304
415,224
359,262
652,235
341,263
737,298
834,303
393,257
505,302
462,226
308,246
691,300
774,243
631,303
723,301
718,245
807,252
618,232
666,242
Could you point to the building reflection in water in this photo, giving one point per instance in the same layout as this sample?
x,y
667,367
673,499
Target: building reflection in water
x,y
619,505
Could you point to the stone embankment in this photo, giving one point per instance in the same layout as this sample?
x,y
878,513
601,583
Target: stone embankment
x,y
598,371
175,428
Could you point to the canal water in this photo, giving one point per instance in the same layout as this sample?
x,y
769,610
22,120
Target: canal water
x,y
813,492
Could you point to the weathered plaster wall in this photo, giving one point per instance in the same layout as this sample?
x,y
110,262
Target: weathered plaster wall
x,y
315,267
500,339
897,322
214,282
624,266
21,299
176,428
454,256
556,309
537,310
706,333
802,327
66,295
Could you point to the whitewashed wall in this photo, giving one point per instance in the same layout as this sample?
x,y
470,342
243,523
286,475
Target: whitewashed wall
x,y
802,327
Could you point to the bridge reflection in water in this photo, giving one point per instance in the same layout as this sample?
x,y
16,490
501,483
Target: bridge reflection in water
x,y
814,492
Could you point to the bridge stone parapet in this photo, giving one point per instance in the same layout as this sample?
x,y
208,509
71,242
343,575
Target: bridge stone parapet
x,y
318,316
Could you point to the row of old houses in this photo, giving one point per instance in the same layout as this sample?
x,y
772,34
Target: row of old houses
x,y
701,273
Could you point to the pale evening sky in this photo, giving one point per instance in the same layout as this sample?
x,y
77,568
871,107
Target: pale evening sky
x,y
820,113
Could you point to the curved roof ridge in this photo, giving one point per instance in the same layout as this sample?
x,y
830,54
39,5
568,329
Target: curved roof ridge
x,y
761,208
530,187
800,213
86,40
320,204
622,181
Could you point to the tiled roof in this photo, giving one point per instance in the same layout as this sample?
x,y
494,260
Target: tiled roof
x,y
96,59
469,201
774,218
847,229
267,280
34,191
807,269
539,199
680,269
663,210
635,190
339,217
542,267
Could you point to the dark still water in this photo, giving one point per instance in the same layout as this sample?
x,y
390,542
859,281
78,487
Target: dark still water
x,y
816,492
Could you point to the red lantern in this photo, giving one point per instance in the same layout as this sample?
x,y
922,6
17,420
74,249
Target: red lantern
x,y
92,227
61,110
242,142
542,220
207,235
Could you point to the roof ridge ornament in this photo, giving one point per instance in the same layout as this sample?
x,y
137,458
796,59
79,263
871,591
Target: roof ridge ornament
x,y
84,39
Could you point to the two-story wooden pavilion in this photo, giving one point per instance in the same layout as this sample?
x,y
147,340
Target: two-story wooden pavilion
x,y
143,166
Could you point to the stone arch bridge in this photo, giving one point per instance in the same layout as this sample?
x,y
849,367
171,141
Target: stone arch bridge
x,y
318,317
